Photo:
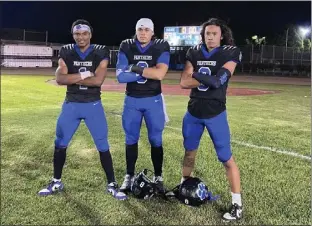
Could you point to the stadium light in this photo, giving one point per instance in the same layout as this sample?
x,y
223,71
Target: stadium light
x,y
304,31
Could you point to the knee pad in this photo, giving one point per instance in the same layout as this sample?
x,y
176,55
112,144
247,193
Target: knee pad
x,y
102,145
223,149
155,134
159,127
60,143
130,139
155,140
190,144
224,154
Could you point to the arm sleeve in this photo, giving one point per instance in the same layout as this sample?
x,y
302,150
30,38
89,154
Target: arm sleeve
x,y
215,82
122,64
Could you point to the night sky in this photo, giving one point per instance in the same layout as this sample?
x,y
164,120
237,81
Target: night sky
x,y
114,21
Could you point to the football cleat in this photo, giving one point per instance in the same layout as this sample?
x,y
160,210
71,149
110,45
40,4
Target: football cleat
x,y
52,188
112,188
235,213
126,184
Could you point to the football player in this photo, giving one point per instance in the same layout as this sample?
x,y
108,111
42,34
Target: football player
x,y
82,67
208,68
142,63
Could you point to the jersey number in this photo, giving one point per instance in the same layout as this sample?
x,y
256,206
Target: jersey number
x,y
144,65
82,69
205,71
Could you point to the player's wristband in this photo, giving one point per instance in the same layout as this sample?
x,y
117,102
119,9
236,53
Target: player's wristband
x,y
85,74
137,69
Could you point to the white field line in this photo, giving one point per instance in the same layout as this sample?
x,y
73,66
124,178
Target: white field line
x,y
242,143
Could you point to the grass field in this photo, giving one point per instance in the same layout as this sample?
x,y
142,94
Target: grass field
x,y
276,185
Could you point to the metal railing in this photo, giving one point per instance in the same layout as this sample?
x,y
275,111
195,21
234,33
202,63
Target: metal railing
x,y
271,54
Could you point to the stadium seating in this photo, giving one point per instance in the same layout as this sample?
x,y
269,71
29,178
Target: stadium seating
x,y
27,50
20,55
27,63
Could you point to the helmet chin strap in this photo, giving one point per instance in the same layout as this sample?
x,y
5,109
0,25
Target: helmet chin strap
x,y
211,197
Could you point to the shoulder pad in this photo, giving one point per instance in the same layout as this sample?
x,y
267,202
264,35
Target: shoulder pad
x,y
129,41
65,50
162,45
193,51
229,47
98,47
233,52
197,47
159,41
101,50
68,46
125,44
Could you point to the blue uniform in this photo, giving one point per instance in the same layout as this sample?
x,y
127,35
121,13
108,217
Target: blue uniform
x,y
82,102
207,105
143,96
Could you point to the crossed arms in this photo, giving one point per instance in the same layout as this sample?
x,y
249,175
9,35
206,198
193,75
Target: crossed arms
x,y
131,73
83,78
190,79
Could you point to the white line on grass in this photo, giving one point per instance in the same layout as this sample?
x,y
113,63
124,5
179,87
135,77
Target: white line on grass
x,y
291,153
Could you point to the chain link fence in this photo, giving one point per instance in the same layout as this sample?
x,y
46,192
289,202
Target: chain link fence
x,y
276,55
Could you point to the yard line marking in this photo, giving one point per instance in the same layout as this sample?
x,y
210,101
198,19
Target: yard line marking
x,y
291,153
242,143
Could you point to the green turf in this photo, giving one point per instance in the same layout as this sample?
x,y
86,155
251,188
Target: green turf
x,y
276,187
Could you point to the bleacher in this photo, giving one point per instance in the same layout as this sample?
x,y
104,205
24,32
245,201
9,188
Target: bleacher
x,y
23,55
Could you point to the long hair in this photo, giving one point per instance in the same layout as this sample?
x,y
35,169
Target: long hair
x,y
226,32
81,21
